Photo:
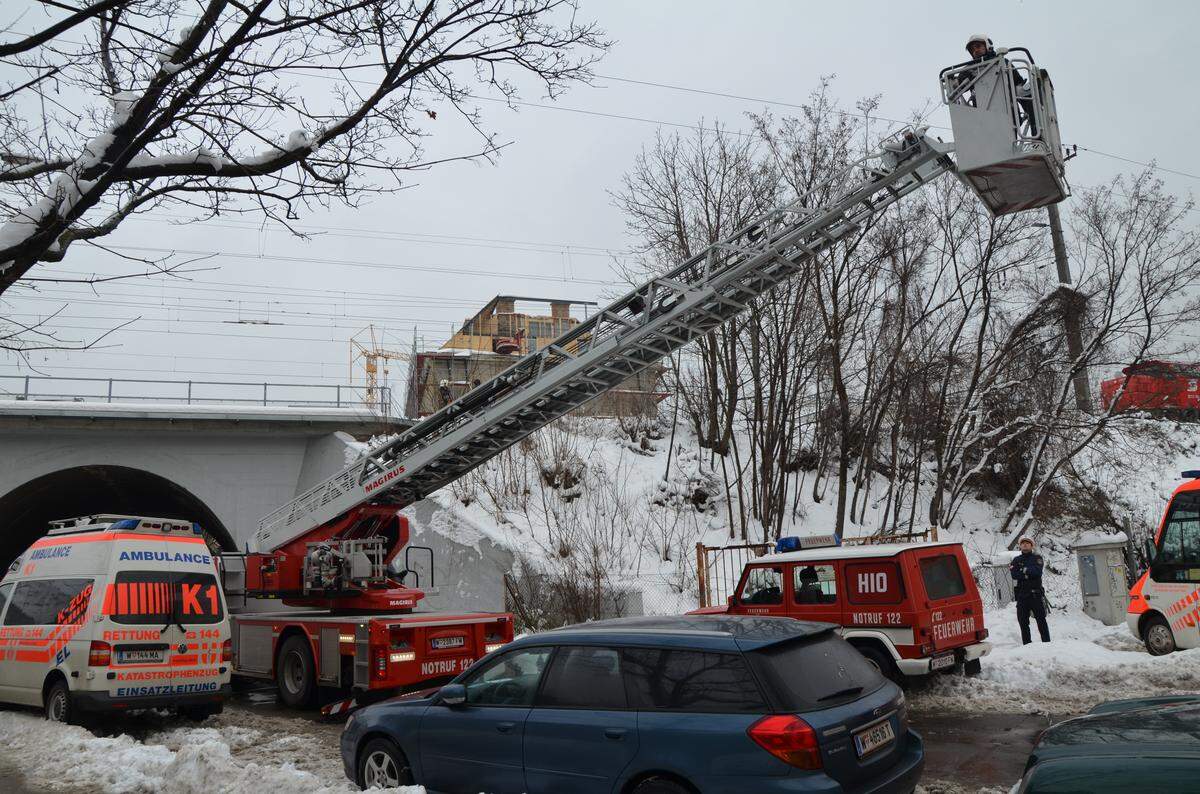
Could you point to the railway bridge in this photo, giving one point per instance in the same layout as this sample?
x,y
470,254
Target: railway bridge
x,y
223,455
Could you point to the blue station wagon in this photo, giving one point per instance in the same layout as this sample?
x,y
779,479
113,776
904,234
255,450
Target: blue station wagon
x,y
671,705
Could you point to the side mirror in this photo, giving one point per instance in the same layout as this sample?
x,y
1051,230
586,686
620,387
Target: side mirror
x,y
453,695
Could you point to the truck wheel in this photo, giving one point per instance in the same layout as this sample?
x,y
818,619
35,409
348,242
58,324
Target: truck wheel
x,y
880,661
1158,637
381,764
295,673
59,707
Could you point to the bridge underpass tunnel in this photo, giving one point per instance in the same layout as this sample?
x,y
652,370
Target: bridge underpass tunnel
x,y
25,512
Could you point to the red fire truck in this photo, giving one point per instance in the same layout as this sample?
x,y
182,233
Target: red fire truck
x,y
910,608
346,621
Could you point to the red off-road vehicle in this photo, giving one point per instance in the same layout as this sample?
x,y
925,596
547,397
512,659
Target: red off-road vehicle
x,y
910,608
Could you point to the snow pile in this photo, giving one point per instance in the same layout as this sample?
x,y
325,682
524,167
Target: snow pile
x,y
179,761
1085,663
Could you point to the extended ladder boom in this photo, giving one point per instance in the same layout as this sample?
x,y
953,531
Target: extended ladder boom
x,y
633,332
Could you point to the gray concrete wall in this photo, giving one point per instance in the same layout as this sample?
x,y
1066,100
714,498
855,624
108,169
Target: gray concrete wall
x,y
237,472
239,477
469,568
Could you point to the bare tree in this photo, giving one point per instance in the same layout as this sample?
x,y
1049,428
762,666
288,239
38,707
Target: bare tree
x,y
1139,263
268,106
681,196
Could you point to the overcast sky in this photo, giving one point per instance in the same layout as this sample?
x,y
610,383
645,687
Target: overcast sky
x,y
541,222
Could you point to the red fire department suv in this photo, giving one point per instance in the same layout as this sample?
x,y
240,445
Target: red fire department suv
x,y
909,608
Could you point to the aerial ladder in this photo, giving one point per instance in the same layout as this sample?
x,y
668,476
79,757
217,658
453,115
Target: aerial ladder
x,y
336,546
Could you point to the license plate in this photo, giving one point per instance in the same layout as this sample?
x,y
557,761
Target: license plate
x,y
941,662
142,656
449,642
874,738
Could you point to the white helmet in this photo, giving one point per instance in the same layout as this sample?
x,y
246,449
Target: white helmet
x,y
980,37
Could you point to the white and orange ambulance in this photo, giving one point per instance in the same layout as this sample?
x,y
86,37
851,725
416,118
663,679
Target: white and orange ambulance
x,y
112,612
1164,604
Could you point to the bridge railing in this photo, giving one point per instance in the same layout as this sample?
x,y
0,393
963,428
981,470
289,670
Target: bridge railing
x,y
195,392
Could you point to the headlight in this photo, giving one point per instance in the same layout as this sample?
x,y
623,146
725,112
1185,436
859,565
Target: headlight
x,y
403,656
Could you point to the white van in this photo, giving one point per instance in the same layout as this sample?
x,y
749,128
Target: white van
x,y
111,613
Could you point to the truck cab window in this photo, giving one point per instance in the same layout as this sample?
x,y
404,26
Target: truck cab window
x,y
763,586
1178,558
815,584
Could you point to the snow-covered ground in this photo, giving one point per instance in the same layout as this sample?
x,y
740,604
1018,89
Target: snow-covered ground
x,y
1085,663
257,746
239,751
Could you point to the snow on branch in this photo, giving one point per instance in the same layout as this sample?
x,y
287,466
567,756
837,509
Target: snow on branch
x,y
257,106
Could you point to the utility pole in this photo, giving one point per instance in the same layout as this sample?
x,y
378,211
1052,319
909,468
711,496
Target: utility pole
x,y
1071,311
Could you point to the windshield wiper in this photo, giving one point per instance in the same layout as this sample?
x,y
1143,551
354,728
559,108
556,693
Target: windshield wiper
x,y
852,690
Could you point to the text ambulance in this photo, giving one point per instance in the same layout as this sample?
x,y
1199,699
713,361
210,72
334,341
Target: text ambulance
x,y
114,612
1164,605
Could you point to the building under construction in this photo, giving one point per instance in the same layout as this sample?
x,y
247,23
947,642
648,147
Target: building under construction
x,y
494,338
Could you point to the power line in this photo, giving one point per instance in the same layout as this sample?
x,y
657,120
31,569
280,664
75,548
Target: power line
x,y
525,246
175,371
1150,165
354,324
349,263
780,103
299,71
259,305
243,337
192,357
155,282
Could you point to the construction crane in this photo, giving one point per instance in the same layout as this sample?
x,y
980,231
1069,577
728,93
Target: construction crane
x,y
365,347
334,545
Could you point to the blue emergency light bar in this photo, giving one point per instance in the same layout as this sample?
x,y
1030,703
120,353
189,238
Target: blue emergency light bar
x,y
164,525
799,542
1192,474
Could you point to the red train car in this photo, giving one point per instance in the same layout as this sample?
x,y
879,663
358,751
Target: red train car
x,y
1163,387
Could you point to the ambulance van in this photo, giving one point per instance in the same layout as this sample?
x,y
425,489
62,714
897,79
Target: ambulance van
x,y
110,613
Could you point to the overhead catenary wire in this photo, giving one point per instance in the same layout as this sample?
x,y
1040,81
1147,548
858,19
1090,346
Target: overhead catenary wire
x,y
236,287
443,270
702,91
359,233
1151,165
298,69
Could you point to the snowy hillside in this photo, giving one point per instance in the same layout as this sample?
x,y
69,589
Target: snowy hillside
x,y
582,499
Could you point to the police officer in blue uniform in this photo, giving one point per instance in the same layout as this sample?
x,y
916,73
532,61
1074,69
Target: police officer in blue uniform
x,y
1026,570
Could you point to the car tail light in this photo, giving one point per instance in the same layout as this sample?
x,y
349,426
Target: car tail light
x,y
381,665
788,738
926,648
99,654
981,635
227,651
